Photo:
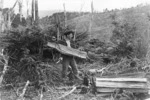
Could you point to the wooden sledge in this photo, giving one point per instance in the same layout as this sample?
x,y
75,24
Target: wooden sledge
x,y
67,50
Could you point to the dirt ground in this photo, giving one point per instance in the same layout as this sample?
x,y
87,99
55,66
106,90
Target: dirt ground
x,y
52,94
58,93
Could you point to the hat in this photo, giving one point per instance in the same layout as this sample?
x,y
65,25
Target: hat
x,y
68,32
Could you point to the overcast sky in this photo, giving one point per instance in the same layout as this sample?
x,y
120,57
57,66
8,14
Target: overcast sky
x,y
76,5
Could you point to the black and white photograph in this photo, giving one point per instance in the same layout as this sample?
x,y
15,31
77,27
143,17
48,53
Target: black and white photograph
x,y
74,49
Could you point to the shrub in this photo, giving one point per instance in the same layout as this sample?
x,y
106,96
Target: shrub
x,y
127,41
25,51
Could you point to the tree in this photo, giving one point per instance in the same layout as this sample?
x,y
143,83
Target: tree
x,y
124,36
16,22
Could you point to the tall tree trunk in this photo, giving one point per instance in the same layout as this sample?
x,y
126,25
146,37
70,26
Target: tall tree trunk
x,y
20,9
33,12
57,26
9,21
58,33
1,16
36,13
65,16
90,27
27,2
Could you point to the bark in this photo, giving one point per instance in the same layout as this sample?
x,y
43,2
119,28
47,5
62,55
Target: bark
x,y
67,50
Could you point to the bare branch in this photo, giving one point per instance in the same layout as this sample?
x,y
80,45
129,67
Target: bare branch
x,y
21,97
68,93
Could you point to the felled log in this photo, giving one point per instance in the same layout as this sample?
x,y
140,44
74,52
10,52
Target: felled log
x,y
111,90
109,85
123,75
122,80
67,50
121,85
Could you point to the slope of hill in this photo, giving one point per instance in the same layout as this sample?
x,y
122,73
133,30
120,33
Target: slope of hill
x,y
43,13
102,22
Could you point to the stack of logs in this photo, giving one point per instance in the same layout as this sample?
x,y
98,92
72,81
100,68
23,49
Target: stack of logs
x,y
107,86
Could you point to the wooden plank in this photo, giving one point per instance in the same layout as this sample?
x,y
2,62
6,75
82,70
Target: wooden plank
x,y
122,79
111,90
121,85
126,75
67,50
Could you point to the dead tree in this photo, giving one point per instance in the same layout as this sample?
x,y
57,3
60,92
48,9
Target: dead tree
x,y
91,18
8,19
33,12
57,26
36,12
20,8
65,16
35,15
27,2
1,16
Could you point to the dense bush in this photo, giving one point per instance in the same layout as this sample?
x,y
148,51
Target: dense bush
x,y
129,43
26,60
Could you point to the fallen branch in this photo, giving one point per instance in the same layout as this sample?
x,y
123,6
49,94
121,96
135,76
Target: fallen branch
x,y
102,70
41,95
68,93
5,58
21,97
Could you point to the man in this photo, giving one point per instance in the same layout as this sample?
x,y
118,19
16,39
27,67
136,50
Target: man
x,y
69,60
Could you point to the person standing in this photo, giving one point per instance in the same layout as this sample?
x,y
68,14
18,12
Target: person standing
x,y
69,60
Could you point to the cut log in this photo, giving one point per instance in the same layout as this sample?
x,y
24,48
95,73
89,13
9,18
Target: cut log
x,y
121,85
122,79
110,85
67,50
104,95
111,90
126,75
